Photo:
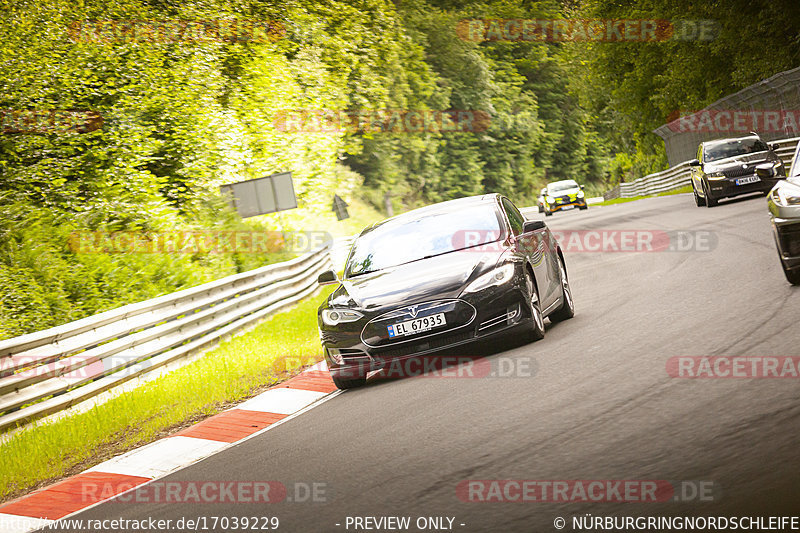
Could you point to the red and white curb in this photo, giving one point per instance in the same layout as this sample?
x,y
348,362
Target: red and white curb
x,y
157,459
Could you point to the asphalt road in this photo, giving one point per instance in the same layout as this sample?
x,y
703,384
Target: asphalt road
x,y
599,405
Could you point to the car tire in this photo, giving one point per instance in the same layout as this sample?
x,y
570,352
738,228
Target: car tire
x,y
344,384
567,309
584,208
700,202
536,328
710,200
792,276
548,213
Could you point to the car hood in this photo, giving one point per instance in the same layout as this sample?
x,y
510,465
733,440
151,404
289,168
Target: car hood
x,y
736,162
442,276
566,192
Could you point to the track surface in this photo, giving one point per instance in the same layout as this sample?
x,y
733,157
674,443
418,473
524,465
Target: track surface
x,y
599,406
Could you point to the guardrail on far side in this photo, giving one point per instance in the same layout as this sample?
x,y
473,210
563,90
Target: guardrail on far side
x,y
680,176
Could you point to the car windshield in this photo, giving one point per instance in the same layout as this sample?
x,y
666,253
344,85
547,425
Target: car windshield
x,y
402,241
733,148
562,186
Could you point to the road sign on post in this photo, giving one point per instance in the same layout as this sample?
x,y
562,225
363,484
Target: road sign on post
x,y
261,195
340,208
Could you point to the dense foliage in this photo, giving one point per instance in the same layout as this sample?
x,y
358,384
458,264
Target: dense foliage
x,y
181,118
632,88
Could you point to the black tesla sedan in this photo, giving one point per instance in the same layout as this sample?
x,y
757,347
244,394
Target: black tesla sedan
x,y
438,277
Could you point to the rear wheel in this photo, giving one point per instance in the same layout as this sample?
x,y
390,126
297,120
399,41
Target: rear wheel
x,y
345,384
567,309
536,329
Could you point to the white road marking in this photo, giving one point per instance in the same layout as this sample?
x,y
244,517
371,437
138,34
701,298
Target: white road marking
x,y
161,457
282,400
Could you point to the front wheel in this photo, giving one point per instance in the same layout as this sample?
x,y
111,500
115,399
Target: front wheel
x,y
548,213
700,202
710,200
345,384
536,329
792,276
567,309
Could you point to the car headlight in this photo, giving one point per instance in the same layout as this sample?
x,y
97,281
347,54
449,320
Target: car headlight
x,y
498,276
786,195
581,194
332,317
714,175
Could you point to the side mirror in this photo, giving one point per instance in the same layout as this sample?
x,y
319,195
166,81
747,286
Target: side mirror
x,y
582,187
765,170
327,278
774,146
694,163
532,225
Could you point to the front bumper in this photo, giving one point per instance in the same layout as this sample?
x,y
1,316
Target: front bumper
x,y
497,310
567,204
787,239
727,188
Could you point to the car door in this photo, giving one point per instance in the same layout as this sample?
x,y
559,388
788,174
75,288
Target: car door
x,y
534,246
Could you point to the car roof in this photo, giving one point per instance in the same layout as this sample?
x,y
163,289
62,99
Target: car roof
x,y
448,205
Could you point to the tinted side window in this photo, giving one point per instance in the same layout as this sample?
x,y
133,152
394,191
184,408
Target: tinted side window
x,y
515,218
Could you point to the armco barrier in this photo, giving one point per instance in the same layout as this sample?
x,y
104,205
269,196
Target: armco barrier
x,y
51,370
680,176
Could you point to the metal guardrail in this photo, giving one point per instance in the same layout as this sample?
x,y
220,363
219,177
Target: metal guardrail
x,y
680,176
51,370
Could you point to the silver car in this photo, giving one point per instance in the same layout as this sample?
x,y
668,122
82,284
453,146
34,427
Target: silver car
x,y
784,211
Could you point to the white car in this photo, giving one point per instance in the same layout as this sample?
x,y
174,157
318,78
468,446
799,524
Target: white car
x,y
563,195
540,201
784,212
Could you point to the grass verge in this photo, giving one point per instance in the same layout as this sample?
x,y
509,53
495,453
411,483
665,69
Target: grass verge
x,y
238,368
682,190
